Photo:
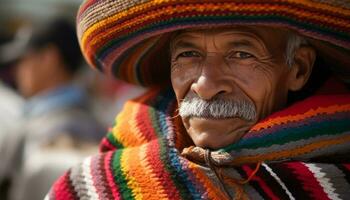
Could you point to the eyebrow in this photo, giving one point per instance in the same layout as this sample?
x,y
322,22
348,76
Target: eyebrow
x,y
241,43
235,44
184,44
244,43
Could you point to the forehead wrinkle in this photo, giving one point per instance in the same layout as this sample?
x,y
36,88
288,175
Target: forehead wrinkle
x,y
184,44
184,40
246,39
240,43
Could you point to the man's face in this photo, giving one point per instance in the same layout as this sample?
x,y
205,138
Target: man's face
x,y
225,80
30,74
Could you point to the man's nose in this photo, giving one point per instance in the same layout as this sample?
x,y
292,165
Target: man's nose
x,y
213,80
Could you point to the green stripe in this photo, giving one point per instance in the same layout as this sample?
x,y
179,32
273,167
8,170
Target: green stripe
x,y
333,128
114,141
119,176
236,18
162,104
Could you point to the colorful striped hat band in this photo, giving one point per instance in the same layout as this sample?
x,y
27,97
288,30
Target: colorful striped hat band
x,y
125,38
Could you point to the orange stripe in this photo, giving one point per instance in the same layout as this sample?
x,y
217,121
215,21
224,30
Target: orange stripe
x,y
183,9
149,174
213,190
321,6
126,131
210,7
132,171
131,61
294,118
122,128
292,152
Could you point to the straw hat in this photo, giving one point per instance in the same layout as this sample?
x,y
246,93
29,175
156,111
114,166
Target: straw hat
x,y
125,38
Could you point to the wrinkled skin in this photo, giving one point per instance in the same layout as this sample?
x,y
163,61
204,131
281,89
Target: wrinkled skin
x,y
246,63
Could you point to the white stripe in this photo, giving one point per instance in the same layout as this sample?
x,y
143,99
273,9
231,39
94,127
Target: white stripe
x,y
324,181
278,180
91,190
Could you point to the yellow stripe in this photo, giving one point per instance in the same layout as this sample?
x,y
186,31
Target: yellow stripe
x,y
180,9
128,162
294,118
126,131
116,17
291,152
213,191
149,174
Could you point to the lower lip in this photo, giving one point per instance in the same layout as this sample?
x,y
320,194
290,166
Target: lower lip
x,y
214,120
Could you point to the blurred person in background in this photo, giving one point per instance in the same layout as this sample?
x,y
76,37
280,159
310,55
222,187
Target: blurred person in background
x,y
58,127
10,116
45,76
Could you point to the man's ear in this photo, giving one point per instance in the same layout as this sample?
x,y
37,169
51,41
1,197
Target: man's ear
x,y
304,59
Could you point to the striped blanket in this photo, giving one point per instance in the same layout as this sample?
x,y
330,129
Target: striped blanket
x,y
301,152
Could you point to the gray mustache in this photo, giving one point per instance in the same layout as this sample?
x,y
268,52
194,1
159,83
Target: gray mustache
x,y
217,108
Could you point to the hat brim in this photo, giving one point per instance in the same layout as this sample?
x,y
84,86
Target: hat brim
x,y
127,41
336,58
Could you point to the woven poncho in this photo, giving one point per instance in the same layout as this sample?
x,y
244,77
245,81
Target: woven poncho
x,y
301,152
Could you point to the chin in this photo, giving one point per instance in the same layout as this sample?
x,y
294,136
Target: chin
x,y
215,141
216,134
205,145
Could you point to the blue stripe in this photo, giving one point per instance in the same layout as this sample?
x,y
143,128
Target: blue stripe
x,y
303,132
170,155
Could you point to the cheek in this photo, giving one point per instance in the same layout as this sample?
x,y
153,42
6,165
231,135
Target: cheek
x,y
181,80
258,82
26,76
23,75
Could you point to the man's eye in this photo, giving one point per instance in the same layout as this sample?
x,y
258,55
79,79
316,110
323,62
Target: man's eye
x,y
241,55
189,54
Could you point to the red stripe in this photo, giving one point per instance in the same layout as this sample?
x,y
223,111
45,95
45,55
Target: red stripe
x,y
106,145
311,103
95,175
85,6
109,175
144,123
260,4
141,123
261,183
143,119
62,188
113,26
159,172
307,180
99,177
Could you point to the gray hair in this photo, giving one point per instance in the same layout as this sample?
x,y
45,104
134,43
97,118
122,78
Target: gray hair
x,y
294,42
217,108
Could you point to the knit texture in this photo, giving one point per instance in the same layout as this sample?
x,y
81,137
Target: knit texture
x,y
301,152
125,38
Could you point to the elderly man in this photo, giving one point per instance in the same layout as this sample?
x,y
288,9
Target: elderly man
x,y
249,101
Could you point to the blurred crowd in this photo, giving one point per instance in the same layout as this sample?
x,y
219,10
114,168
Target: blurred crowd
x,y
52,108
